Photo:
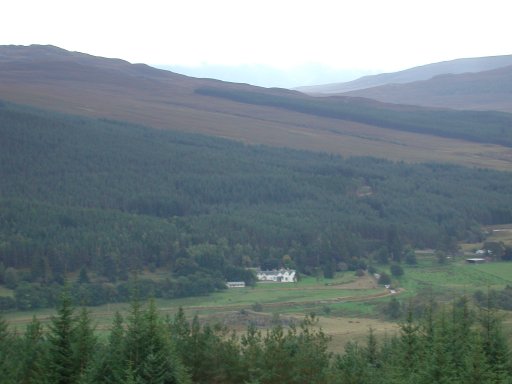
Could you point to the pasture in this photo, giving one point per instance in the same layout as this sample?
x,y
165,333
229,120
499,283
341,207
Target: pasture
x,y
347,306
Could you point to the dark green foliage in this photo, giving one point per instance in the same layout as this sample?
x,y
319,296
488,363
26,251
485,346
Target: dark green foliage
x,y
111,366
84,342
444,346
297,355
495,299
394,244
329,270
11,278
495,249
384,279
494,346
2,273
454,344
393,309
6,353
383,255
396,270
62,364
32,356
354,367
148,351
108,198
507,253
442,257
410,257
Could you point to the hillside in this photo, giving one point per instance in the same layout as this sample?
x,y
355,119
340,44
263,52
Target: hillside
x,y
111,197
424,72
55,79
488,90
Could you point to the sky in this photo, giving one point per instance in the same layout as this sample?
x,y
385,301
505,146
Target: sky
x,y
348,37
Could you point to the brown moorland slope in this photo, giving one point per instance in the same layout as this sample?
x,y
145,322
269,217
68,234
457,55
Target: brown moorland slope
x,y
52,78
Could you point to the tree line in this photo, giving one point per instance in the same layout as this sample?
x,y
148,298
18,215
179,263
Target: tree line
x,y
477,126
456,343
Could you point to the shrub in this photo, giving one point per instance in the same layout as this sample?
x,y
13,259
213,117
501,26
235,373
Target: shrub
x,y
396,270
384,278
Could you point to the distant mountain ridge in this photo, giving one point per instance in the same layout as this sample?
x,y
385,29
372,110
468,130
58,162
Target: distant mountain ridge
x,y
487,90
424,72
21,56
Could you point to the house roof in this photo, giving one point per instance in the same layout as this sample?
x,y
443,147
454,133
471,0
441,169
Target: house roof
x,y
277,272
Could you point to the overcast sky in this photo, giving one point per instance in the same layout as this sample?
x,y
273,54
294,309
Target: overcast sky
x,y
368,35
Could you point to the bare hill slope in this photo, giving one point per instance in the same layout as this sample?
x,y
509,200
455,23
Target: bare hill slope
x,y
77,83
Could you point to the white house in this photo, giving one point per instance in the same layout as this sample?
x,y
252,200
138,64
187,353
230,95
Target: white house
x,y
278,276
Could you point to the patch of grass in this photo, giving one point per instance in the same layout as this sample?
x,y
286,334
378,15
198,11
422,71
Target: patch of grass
x,y
329,299
5,292
500,271
307,295
455,276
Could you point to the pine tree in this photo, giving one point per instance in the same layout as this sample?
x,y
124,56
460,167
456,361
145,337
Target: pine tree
x,y
437,365
179,329
115,363
135,343
154,367
32,355
161,364
110,365
252,354
84,342
7,368
461,333
4,333
494,345
148,349
410,348
353,366
61,361
130,376
371,350
476,367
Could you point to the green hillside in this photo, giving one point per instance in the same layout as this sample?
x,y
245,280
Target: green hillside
x,y
106,198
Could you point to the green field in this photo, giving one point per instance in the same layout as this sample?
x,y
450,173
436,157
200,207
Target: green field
x,y
347,305
455,278
360,300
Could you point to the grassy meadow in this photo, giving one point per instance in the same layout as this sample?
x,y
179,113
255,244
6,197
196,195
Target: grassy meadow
x,y
347,306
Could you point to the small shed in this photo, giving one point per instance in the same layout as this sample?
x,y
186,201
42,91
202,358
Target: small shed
x,y
475,260
235,284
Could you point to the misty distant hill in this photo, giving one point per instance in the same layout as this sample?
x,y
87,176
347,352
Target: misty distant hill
x,y
268,76
488,90
424,72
